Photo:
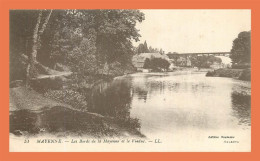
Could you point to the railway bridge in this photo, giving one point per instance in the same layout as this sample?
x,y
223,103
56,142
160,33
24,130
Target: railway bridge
x,y
174,55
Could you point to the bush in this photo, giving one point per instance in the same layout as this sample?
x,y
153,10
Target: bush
x,y
241,66
71,97
245,75
231,73
211,73
156,64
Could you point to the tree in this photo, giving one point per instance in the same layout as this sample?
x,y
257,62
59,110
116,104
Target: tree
x,y
241,49
204,61
107,35
84,40
161,51
115,32
22,24
31,71
146,50
157,64
151,50
155,50
147,64
142,48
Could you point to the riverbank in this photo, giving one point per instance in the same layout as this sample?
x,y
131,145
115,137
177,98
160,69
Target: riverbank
x,y
60,105
241,74
31,113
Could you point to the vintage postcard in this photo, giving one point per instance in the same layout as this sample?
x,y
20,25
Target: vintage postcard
x,y
130,80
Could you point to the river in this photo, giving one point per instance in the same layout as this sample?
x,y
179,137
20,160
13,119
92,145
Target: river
x,y
183,110
183,106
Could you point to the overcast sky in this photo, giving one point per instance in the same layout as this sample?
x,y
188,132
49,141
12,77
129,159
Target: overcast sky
x,y
193,30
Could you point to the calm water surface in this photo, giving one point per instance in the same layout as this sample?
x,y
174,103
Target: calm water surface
x,y
155,104
168,103
181,108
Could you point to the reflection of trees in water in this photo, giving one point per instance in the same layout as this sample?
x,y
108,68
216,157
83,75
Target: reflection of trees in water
x,y
57,119
173,86
147,85
142,89
156,86
114,100
141,93
200,87
241,105
162,86
23,120
63,122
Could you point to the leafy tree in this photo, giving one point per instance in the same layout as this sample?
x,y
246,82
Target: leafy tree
x,y
85,40
22,25
155,50
204,61
173,56
140,48
30,38
147,64
146,50
156,64
161,51
151,50
241,49
143,48
115,32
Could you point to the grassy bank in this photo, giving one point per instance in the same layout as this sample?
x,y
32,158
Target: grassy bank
x,y
241,74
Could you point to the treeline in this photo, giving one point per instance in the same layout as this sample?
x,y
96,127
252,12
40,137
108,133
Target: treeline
x,y
240,55
204,61
241,50
143,48
88,42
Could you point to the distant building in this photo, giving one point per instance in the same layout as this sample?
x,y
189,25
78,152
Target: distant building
x,y
138,62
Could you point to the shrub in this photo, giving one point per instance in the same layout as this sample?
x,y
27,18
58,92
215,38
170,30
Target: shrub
x,y
245,75
211,73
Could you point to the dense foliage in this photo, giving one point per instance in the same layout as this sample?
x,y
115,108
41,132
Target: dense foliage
x,y
156,64
241,50
204,61
143,48
87,41
92,44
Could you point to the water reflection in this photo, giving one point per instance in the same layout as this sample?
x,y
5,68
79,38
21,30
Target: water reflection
x,y
151,104
241,107
62,121
21,121
177,101
111,99
189,101
141,93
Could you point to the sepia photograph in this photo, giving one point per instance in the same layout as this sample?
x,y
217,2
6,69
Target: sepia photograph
x,y
130,80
